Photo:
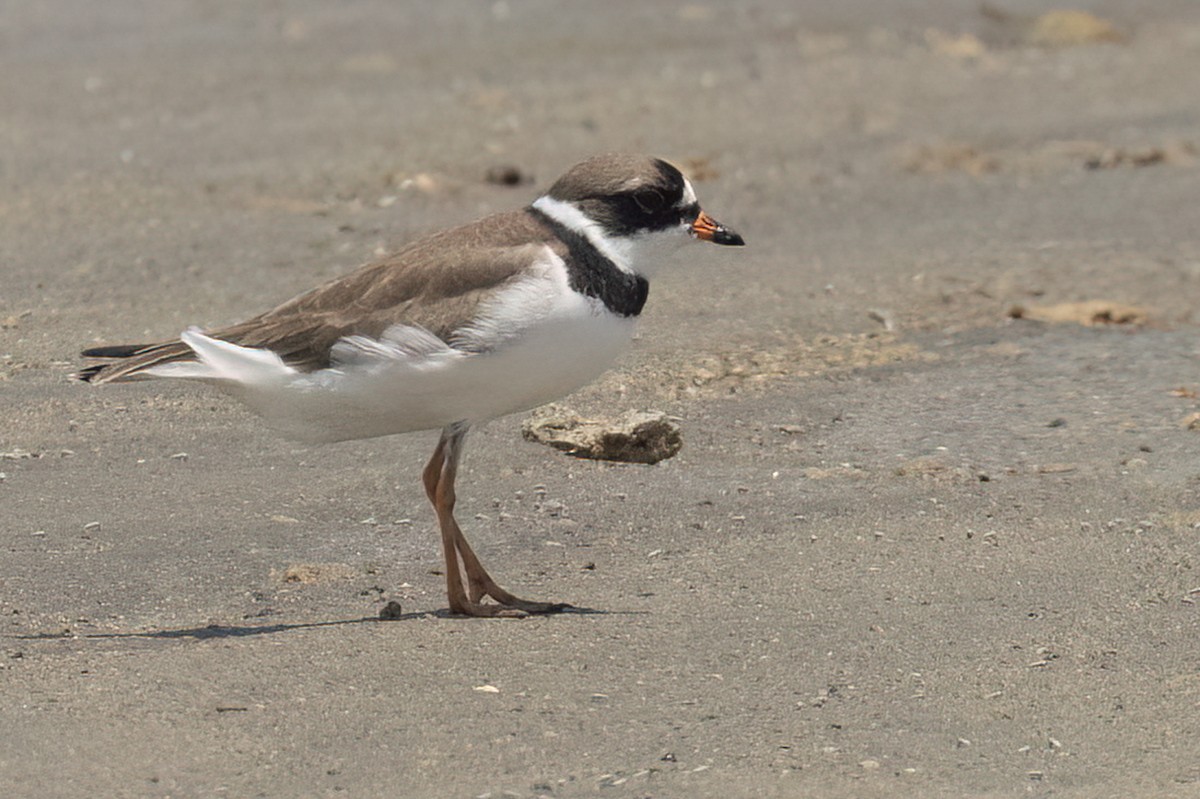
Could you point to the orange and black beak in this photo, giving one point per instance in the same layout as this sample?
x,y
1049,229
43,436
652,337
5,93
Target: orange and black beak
x,y
706,228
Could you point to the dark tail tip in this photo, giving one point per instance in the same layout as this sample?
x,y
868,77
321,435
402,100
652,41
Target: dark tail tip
x,y
88,374
110,353
114,351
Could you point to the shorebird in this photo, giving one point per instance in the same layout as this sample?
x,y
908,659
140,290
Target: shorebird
x,y
466,325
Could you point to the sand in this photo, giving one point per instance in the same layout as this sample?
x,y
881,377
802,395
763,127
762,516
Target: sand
x,y
933,530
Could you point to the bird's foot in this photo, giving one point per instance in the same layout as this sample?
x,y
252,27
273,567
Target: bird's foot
x,y
538,608
515,609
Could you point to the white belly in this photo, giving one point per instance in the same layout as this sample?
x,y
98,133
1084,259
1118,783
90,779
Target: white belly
x,y
544,362
548,361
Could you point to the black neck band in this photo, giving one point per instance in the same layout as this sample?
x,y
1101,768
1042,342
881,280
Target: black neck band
x,y
595,275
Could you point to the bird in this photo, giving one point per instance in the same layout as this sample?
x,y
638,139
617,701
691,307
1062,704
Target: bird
x,y
472,323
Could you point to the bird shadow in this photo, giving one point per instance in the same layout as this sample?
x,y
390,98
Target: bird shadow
x,y
220,631
446,613
216,630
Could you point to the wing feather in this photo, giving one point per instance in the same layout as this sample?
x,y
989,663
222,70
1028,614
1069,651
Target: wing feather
x,y
435,285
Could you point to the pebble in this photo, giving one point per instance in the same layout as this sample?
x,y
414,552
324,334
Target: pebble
x,y
506,175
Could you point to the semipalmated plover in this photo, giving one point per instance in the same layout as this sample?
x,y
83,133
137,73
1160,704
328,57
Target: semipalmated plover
x,y
476,322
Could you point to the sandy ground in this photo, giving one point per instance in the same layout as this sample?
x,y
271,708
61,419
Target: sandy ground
x,y
913,545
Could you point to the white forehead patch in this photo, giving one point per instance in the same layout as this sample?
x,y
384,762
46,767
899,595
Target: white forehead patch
x,y
689,194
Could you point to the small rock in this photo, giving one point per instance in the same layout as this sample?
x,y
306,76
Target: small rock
x,y
963,46
1068,28
1090,313
1115,157
391,611
633,437
869,765
883,317
506,175
423,182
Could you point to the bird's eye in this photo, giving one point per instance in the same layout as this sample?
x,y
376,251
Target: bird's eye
x,y
651,201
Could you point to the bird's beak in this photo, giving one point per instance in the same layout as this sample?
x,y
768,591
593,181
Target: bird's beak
x,y
706,228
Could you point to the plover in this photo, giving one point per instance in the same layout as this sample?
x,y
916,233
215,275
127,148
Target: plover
x,y
491,318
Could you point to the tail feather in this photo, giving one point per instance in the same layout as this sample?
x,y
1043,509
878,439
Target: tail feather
x,y
215,359
194,355
125,362
115,351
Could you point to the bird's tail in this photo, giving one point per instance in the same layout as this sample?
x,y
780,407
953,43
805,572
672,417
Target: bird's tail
x,y
194,355
125,362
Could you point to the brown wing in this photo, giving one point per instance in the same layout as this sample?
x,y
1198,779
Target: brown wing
x,y
436,283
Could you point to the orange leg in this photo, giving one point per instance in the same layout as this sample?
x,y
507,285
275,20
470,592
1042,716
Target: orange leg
x,y
464,599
